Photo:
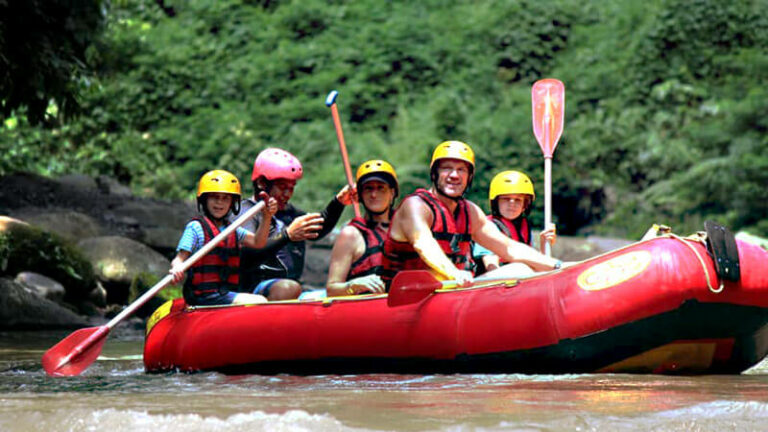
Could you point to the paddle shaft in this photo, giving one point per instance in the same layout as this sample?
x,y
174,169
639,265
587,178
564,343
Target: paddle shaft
x,y
547,200
548,137
330,101
187,263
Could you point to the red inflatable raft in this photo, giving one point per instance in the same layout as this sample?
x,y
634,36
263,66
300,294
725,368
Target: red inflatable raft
x,y
665,305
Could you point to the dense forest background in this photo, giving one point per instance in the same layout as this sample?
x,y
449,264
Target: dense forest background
x,y
666,100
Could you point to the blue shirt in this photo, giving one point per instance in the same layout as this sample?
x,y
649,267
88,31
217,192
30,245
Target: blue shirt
x,y
479,251
193,237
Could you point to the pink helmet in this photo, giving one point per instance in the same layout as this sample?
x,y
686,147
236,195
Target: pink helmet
x,y
275,163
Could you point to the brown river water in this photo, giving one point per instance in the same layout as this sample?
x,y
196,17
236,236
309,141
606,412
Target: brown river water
x,y
115,394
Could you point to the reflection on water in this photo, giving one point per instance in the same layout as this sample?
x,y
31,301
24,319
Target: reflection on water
x,y
115,394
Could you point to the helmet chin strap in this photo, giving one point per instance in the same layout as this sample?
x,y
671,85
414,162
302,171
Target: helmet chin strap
x,y
375,213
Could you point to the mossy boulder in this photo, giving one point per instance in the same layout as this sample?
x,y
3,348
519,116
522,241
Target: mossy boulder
x,y
117,261
24,247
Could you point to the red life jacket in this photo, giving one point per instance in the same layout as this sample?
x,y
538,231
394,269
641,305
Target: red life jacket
x,y
452,232
217,271
520,234
370,261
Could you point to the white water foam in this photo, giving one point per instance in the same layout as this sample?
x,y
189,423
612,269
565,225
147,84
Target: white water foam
x,y
115,420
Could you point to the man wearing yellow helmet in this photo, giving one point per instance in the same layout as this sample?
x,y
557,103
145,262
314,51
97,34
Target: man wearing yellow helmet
x,y
510,196
433,229
357,253
214,279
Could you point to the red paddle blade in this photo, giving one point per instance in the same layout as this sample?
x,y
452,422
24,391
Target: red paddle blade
x,y
412,286
76,352
548,100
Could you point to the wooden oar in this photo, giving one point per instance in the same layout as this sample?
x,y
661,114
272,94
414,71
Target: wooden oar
x,y
330,101
548,100
413,286
77,351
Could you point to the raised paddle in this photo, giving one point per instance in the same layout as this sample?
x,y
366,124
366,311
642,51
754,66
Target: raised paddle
x,y
330,101
548,100
77,351
413,286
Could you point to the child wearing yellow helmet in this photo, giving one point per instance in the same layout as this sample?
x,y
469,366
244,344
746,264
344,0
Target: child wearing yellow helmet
x,y
510,196
214,279
357,253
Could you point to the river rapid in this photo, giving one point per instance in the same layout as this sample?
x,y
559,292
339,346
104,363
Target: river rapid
x,y
115,394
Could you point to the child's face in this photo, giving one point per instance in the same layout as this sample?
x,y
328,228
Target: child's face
x,y
218,204
511,206
377,196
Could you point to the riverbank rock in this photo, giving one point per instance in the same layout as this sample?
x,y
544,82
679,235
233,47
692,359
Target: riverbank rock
x,y
28,248
43,286
70,225
117,261
8,224
21,309
158,224
109,205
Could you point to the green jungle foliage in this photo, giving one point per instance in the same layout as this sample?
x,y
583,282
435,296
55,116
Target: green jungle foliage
x,y
665,100
44,45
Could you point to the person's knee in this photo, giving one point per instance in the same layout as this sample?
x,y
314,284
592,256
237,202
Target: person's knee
x,y
243,298
285,289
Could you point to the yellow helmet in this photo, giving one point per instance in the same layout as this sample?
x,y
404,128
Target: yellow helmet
x,y
379,170
219,181
510,182
453,150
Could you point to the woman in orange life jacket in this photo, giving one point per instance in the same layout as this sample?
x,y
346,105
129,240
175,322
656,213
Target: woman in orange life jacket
x,y
214,279
357,253
510,195
432,228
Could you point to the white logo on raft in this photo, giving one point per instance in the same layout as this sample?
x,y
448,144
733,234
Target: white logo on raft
x,y
614,271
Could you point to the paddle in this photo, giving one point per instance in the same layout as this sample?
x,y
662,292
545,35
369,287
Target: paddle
x,y
548,100
77,351
330,101
413,286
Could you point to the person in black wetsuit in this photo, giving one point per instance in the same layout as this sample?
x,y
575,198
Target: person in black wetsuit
x,y
275,270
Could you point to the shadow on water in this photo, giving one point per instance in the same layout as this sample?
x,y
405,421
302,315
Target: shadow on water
x,y
116,394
